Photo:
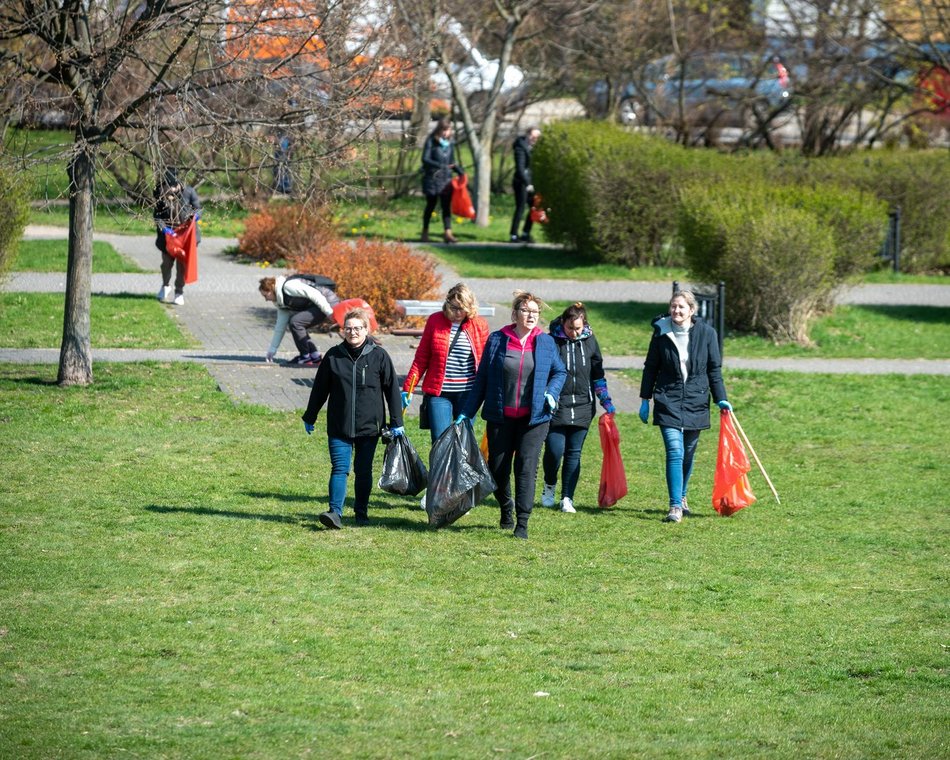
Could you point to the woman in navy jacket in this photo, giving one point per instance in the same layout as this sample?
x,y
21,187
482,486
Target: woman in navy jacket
x,y
438,163
517,386
682,367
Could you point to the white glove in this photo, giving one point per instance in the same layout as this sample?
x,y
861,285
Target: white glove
x,y
530,189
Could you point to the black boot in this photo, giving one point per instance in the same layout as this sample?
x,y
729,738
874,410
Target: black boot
x,y
521,529
507,519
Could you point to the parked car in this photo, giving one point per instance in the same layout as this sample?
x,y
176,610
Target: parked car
x,y
718,88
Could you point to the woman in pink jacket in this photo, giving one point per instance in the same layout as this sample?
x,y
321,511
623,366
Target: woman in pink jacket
x,y
447,358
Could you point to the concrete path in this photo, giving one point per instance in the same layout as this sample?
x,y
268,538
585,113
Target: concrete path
x,y
233,324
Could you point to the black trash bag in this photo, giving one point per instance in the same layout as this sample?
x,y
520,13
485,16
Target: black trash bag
x,y
403,469
458,477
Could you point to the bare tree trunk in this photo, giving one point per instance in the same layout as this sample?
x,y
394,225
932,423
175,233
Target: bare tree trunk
x,y
75,356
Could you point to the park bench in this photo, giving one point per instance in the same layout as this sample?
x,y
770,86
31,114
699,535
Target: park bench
x,y
411,308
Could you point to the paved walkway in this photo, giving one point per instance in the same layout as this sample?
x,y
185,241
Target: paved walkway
x,y
233,324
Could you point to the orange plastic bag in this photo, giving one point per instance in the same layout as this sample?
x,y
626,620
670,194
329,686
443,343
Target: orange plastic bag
x,y
483,446
182,244
613,479
340,310
461,200
539,214
731,490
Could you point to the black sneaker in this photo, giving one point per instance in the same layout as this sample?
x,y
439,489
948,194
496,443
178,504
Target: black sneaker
x,y
527,239
522,532
514,239
362,521
330,519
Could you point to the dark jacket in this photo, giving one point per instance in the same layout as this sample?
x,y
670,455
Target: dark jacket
x,y
585,366
173,210
438,163
675,403
522,150
549,376
357,391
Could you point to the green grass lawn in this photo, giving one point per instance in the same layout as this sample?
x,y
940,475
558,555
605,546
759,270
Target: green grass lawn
x,y
217,219
35,320
51,256
166,590
880,332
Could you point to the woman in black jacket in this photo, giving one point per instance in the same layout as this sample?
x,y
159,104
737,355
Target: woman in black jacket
x,y
682,367
438,163
358,378
581,355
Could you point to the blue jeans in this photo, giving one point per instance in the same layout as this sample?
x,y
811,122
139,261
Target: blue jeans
x,y
564,442
341,449
443,410
680,450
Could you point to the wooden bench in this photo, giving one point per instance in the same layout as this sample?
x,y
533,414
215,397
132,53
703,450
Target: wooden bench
x,y
411,308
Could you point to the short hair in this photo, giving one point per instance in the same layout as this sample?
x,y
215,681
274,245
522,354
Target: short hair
x,y
268,286
461,295
358,313
686,295
572,312
522,297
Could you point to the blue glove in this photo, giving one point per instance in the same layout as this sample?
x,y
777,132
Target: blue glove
x,y
308,427
168,231
460,419
406,399
551,402
197,215
645,411
724,405
609,408
397,431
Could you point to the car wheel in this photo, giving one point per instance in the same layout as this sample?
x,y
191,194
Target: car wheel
x,y
633,113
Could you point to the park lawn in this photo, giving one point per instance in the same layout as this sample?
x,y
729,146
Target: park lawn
x,y
850,332
218,219
52,255
35,320
167,590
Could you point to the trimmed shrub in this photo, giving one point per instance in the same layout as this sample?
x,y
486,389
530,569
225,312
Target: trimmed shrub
x,y
283,231
14,213
777,260
378,272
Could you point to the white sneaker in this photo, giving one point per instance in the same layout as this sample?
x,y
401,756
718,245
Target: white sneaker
x,y
567,505
179,300
674,515
422,503
165,293
547,495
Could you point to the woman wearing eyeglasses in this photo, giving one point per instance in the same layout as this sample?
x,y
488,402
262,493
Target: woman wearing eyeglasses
x,y
357,377
517,386
447,358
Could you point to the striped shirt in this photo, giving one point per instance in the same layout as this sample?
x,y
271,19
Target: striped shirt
x,y
460,363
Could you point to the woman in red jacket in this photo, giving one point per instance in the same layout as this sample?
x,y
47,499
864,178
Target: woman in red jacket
x,y
447,358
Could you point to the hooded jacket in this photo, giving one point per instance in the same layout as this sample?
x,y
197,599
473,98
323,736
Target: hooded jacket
x,y
549,376
433,351
676,403
585,376
357,390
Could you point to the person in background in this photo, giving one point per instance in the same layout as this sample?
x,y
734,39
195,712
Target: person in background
x,y
447,358
438,163
517,386
682,366
581,355
523,185
175,204
302,304
358,379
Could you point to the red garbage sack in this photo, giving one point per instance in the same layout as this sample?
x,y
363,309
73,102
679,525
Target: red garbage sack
x,y
731,491
613,479
182,244
339,312
539,214
461,200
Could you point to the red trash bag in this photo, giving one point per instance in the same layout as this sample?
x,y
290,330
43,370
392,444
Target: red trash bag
x,y
461,200
339,312
182,244
539,214
731,491
613,479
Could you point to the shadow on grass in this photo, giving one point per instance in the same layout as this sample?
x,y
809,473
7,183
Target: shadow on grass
x,y
933,315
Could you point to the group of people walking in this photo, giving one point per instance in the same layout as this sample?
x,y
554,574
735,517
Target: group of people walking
x,y
537,391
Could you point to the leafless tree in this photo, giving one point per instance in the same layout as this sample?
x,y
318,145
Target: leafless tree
x,y
199,83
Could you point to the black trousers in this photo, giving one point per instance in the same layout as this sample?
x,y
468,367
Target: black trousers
x,y
445,198
300,324
515,441
523,200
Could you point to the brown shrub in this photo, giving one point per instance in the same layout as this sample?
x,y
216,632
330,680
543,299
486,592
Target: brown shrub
x,y
286,231
375,271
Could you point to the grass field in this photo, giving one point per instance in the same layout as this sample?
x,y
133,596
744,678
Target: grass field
x,y
166,590
52,255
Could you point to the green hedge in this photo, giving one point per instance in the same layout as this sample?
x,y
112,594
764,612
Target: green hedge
x,y
14,213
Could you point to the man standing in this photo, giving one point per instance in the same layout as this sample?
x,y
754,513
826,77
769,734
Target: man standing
x,y
523,184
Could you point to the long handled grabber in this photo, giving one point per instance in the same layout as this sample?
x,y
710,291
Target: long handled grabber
x,y
754,455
